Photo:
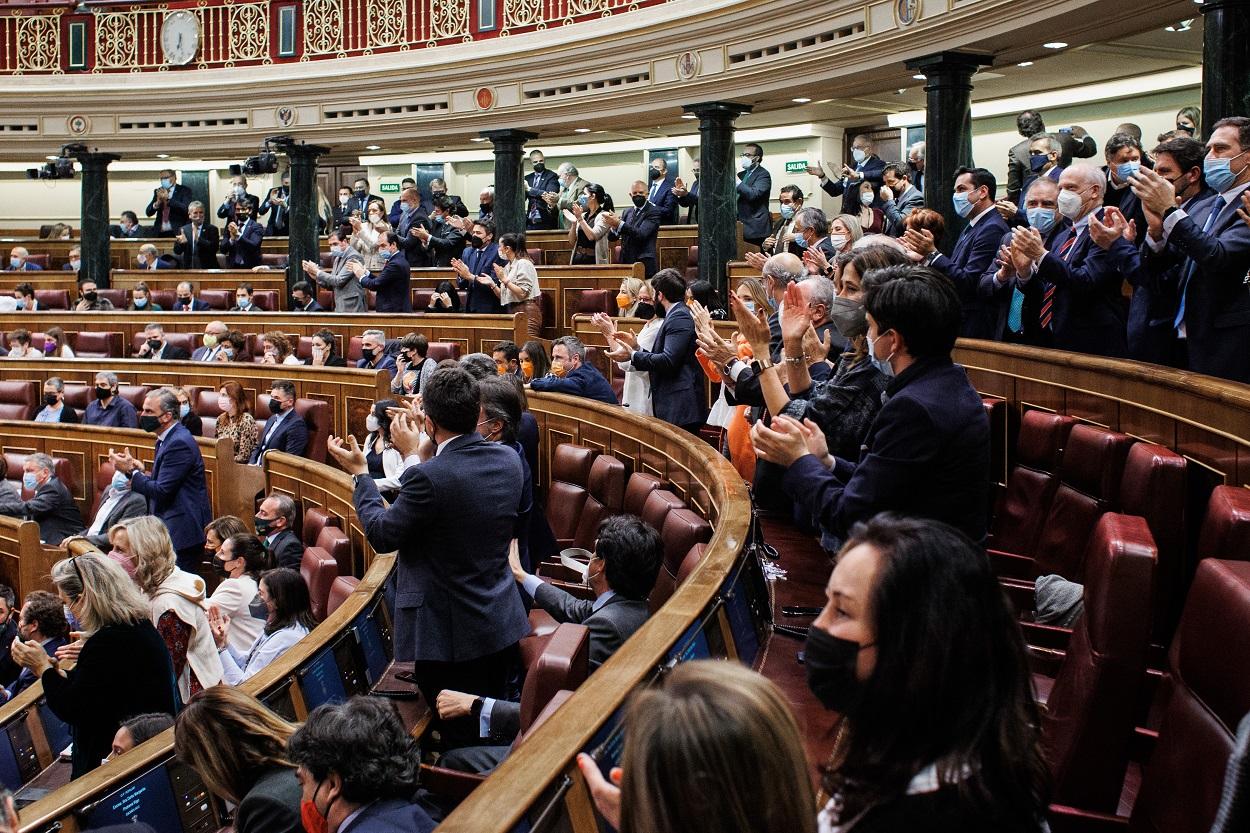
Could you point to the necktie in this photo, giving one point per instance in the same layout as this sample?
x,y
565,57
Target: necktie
x,y
1015,315
654,188
1048,295
1190,266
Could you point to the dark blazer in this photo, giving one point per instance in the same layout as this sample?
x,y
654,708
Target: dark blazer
x,y
873,169
196,304
997,299
173,353
179,198
974,252
479,297
313,306
610,625
897,209
638,231
287,549
132,505
1089,309
25,679
26,267
203,255
393,285
272,805
690,202
279,215
676,377
385,362
225,211
291,436
927,454
755,187
244,253
390,816
586,381
456,599
539,215
53,508
416,253
89,698
444,244
664,199
176,490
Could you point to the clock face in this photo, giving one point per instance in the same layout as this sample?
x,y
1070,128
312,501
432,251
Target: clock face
x,y
180,37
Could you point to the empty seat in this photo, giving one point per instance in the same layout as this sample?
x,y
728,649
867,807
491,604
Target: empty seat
x,y
134,394
1225,529
439,350
316,415
657,507
606,495
671,576
18,399
597,300
52,298
1153,487
336,542
1088,722
218,299
1032,481
119,298
266,299
319,571
340,591
692,264
315,520
682,529
164,298
97,345
637,488
566,497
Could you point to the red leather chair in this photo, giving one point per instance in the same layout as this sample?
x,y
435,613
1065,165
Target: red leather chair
x,y
1088,723
671,576
566,497
218,299
340,591
319,571
639,486
1225,529
266,299
103,477
606,488
420,299
1153,487
1032,481
597,300
134,394
18,400
61,468
78,395
164,298
52,298
536,256
682,529
996,411
274,260
353,351
97,345
336,542
656,509
315,520
39,259
316,415
303,348
119,298
692,264
325,297
440,350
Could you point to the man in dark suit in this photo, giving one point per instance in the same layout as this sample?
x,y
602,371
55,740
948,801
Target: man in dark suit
x,y
277,205
688,198
238,195
393,284
361,198
411,222
50,504
458,615
275,524
19,261
755,187
475,269
1012,305
197,241
156,347
812,227
868,166
128,227
185,300
169,205
572,375
285,430
149,259
540,210
396,211
176,490
638,229
1211,250
928,451
440,241
915,163
975,249
243,238
676,377
214,340
42,620
1124,158
118,503
373,355
343,206
781,237
660,192
898,197
304,298
1074,142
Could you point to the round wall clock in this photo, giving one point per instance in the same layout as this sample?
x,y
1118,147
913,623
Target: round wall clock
x,y
180,37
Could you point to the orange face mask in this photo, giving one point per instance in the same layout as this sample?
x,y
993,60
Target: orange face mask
x,y
527,367
502,368
622,300
557,368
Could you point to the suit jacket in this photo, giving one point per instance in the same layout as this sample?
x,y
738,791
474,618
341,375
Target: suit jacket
x,y
897,209
414,250
444,244
539,215
586,381
271,805
26,679
225,211
974,252
690,202
287,549
755,187
179,198
196,305
610,625
244,253
176,490
313,306
349,295
279,215
173,353
660,194
456,599
1018,170
998,297
390,816
202,255
638,232
480,298
290,436
53,508
26,267
132,505
393,285
873,169
676,377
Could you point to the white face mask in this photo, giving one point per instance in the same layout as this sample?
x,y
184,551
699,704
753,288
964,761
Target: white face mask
x,y
371,424
1070,204
838,240
223,404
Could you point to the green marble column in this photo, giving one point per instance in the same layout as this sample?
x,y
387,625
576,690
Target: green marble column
x,y
95,216
718,195
510,198
304,223
1225,61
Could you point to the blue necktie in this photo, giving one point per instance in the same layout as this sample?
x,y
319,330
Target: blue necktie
x,y
1015,315
1190,267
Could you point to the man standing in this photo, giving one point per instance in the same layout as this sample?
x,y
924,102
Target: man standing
x,y
571,188
393,284
915,161
277,204
349,295
637,229
475,270
661,193
169,205
688,198
868,166
755,187
1045,154
176,490
899,197
238,195
242,244
458,615
50,504
540,213
782,237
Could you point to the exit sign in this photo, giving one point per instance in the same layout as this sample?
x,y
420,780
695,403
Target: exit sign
x,y
796,167
390,187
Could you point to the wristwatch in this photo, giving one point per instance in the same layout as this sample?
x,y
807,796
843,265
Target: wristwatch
x,y
803,359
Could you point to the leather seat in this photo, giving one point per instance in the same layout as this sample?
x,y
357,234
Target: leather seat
x,y
606,495
316,415
325,297
1088,723
440,350
1225,529
340,591
671,576
18,399
218,299
692,264
266,299
103,478
79,395
164,298
1032,481
566,496
596,300
274,260
319,570
1153,487
420,299
187,341
39,259
682,529
97,345
657,507
996,411
134,394
639,486
336,542
315,520
52,298
119,298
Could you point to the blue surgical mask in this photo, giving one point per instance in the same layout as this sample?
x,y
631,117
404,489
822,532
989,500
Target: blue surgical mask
x,y
29,482
140,303
384,254
120,482
750,305
1219,172
584,202
800,241
21,305
183,410
1126,169
963,205
243,303
1042,219
787,210
881,364
858,155
1038,161
15,262
167,183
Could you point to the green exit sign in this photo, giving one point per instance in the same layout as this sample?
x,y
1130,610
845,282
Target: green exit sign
x,y
390,187
796,167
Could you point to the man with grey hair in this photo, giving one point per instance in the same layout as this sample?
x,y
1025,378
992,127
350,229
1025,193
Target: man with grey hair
x,y
373,355
486,203
197,241
1045,160
176,489
479,365
215,333
878,240
107,408
915,160
812,225
571,374
156,347
275,524
779,272
149,259
50,504
571,187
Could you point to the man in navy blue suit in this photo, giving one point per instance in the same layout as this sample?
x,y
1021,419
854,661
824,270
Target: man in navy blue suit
x,y
169,205
755,187
660,192
540,209
19,262
572,375
676,378
285,430
975,249
475,269
393,284
458,615
41,620
176,490
638,229
688,197
241,246
868,166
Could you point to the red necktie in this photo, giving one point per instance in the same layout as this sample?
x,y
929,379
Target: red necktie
x,y
1048,295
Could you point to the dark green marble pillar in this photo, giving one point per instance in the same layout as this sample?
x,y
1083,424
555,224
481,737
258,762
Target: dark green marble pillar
x,y
304,223
510,198
1225,61
948,130
718,195
95,216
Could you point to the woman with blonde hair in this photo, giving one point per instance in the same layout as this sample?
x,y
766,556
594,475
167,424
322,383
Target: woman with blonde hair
x,y
120,645
627,297
367,233
714,747
636,391
177,604
238,748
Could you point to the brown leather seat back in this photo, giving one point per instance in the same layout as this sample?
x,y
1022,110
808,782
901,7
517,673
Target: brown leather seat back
x,y
61,469
1153,487
103,477
666,582
682,529
566,496
553,705
440,350
134,394
218,299
596,300
98,345
340,591
316,415
79,395
336,542
315,520
119,298
637,488
1225,529
18,399
319,571
1032,482
266,299
606,494
52,298
657,507
563,664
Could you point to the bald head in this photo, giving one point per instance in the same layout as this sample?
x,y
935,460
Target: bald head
x,y
1087,183
781,270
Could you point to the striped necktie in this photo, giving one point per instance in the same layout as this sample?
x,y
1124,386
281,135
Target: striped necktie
x,y
1047,314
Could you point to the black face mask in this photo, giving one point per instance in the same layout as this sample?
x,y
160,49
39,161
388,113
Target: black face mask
x,y
656,174
154,344
639,200
263,525
360,194
539,167
103,393
258,609
486,207
476,242
50,400
185,300
367,353
219,567
149,423
436,194
830,663
89,296
644,311
275,407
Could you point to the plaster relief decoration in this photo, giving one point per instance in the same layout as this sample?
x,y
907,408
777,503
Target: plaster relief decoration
x,y
386,22
323,27
907,12
580,7
522,13
78,125
484,97
286,116
115,40
39,43
249,31
687,65
449,19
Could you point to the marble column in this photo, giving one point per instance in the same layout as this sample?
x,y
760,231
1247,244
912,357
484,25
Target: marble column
x,y
718,195
1225,61
304,218
95,216
510,201
948,130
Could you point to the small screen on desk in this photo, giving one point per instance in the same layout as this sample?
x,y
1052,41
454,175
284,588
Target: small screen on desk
x,y
149,798
10,773
372,645
321,681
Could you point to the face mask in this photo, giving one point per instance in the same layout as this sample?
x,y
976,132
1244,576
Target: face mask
x,y
881,364
242,303
258,608
866,197
50,400
584,202
140,303
557,368
656,174
787,210
20,305
831,676
384,254
539,167
1070,204
477,242
1126,169
1042,219
622,300
223,404
219,567
15,262
29,483
263,525
149,423
49,347
501,368
75,265
344,199
639,200
750,305
227,352
437,219
800,241
275,406
744,162
1219,172
1037,161
858,155
963,205
405,208
367,353
360,193
371,424
103,393
184,410
311,817
119,482
375,217
185,300
1184,128
89,296
527,368
644,311
154,344
848,317
239,190
486,207
838,241
167,183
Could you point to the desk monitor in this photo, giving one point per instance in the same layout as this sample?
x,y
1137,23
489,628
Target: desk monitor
x,y
280,703
334,674
10,772
606,745
148,798
693,644
196,808
375,647
23,748
54,729
743,612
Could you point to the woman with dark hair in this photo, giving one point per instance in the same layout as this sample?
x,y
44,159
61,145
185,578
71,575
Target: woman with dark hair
x,y
324,352
926,219
136,730
235,420
55,344
445,298
288,619
533,360
233,347
219,529
871,218
386,464
412,367
517,286
702,292
588,229
918,651
239,562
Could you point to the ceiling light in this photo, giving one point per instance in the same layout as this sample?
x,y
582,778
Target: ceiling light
x,y
373,147
582,130
800,100
478,139
919,77
1025,64
688,116
1055,44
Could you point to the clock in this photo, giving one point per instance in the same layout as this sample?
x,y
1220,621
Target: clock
x,y
180,37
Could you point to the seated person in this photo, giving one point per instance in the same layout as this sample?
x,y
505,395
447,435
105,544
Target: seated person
x,y
358,768
276,349
150,259
386,463
243,299
157,348
288,620
19,261
325,351
239,562
572,375
627,559
136,730
190,419
56,345
118,503
185,300
54,407
73,259
373,355
20,346
128,227
10,498
214,340
109,409
285,430
221,529
51,505
507,358
304,299
89,299
275,522
43,622
24,295
445,298
412,364
141,294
